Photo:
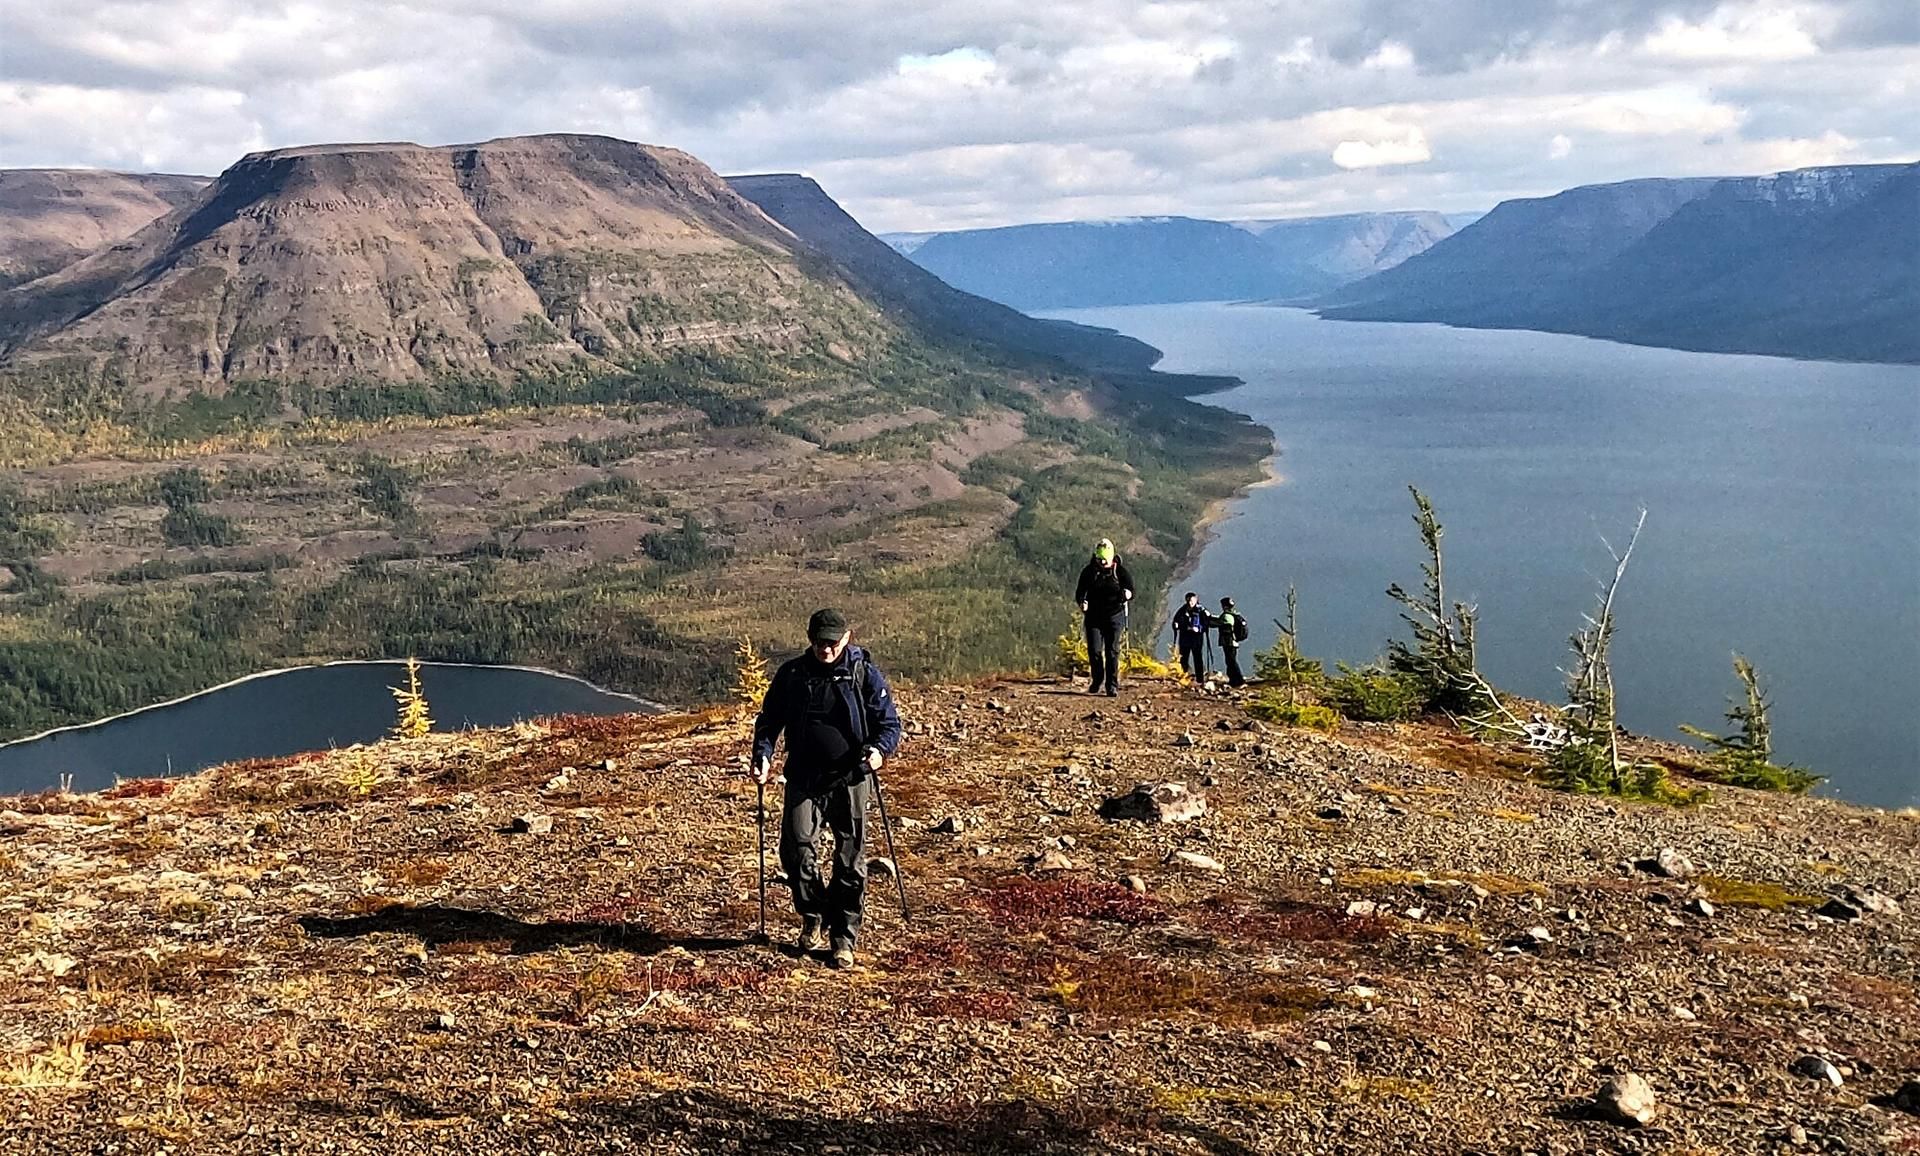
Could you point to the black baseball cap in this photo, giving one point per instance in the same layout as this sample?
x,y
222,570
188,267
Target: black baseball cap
x,y
826,626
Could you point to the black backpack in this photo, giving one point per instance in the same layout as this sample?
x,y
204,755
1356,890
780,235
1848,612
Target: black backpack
x,y
1239,627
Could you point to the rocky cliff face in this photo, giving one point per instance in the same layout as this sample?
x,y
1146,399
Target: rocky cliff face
x,y
50,218
398,262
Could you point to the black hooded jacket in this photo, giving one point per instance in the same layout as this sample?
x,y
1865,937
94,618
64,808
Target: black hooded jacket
x,y
1104,589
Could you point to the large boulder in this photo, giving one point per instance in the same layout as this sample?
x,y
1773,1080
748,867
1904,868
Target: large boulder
x,y
1156,803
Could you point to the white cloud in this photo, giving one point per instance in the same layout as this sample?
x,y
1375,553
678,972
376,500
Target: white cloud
x,y
995,111
1407,149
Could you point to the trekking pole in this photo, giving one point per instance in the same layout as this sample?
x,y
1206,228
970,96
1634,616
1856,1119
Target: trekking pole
x,y
880,793
760,827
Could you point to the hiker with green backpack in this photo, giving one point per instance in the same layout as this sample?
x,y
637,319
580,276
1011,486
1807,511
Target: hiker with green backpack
x,y
1233,631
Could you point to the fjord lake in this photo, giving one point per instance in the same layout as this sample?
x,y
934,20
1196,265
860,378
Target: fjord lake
x,y
287,712
1782,499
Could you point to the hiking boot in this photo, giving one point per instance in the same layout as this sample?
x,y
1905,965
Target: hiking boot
x,y
813,937
843,953
1112,690
1093,688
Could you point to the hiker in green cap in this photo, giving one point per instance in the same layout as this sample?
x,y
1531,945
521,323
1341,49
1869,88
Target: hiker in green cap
x,y
1104,591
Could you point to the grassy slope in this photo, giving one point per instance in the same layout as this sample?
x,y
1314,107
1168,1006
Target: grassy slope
x,y
627,529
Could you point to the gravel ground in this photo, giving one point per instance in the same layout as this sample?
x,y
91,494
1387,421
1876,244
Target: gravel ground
x,y
1380,941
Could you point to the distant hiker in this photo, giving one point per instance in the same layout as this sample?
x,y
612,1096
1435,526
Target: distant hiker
x,y
837,714
1233,632
1104,591
1190,632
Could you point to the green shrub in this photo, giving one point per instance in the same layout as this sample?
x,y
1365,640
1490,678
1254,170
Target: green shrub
x,y
1273,707
192,526
1375,694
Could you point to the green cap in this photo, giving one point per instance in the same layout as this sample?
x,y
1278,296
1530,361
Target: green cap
x,y
1104,550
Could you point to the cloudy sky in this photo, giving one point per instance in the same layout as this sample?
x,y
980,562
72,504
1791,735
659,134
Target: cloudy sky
x,y
939,115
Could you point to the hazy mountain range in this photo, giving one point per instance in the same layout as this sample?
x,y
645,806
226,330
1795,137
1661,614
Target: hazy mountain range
x,y
1151,260
1821,262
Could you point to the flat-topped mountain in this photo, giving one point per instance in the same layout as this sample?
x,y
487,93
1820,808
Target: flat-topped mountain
x,y
1821,262
50,218
1524,244
544,254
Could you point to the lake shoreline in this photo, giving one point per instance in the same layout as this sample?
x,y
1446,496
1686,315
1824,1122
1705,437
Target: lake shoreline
x,y
1534,445
649,706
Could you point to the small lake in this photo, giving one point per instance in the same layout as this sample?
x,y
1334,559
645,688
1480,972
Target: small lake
x,y
1783,520
307,708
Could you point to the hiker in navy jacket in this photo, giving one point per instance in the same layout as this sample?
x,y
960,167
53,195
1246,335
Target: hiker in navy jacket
x,y
836,711
1190,624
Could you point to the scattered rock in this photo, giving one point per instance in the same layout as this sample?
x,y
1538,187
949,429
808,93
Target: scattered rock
x,y
1362,908
1907,1099
1136,884
1415,913
1839,909
1223,725
1050,860
880,865
559,782
951,825
1156,803
1198,861
1331,811
1700,907
996,705
1323,1046
1872,902
444,1022
609,765
1668,864
1797,1136
1816,1068
1539,935
1186,739
532,823
1627,1099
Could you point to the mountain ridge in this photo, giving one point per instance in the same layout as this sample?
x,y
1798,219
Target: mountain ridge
x,y
54,217
1738,265
554,253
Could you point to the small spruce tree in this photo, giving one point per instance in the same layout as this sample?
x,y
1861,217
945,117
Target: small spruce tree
x,y
749,676
1745,759
1441,660
411,720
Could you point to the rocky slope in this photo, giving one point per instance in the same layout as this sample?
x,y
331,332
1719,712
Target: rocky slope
x,y
531,255
50,218
1380,941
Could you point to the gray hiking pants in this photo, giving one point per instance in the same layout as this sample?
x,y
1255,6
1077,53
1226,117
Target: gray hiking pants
x,y
843,810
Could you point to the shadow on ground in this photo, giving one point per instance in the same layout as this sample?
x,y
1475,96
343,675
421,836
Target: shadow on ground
x,y
437,926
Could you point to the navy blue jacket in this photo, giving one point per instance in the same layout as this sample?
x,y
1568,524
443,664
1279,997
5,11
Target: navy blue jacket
x,y
875,721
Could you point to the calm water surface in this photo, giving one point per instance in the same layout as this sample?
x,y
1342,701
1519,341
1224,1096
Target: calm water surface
x,y
304,709
1783,520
